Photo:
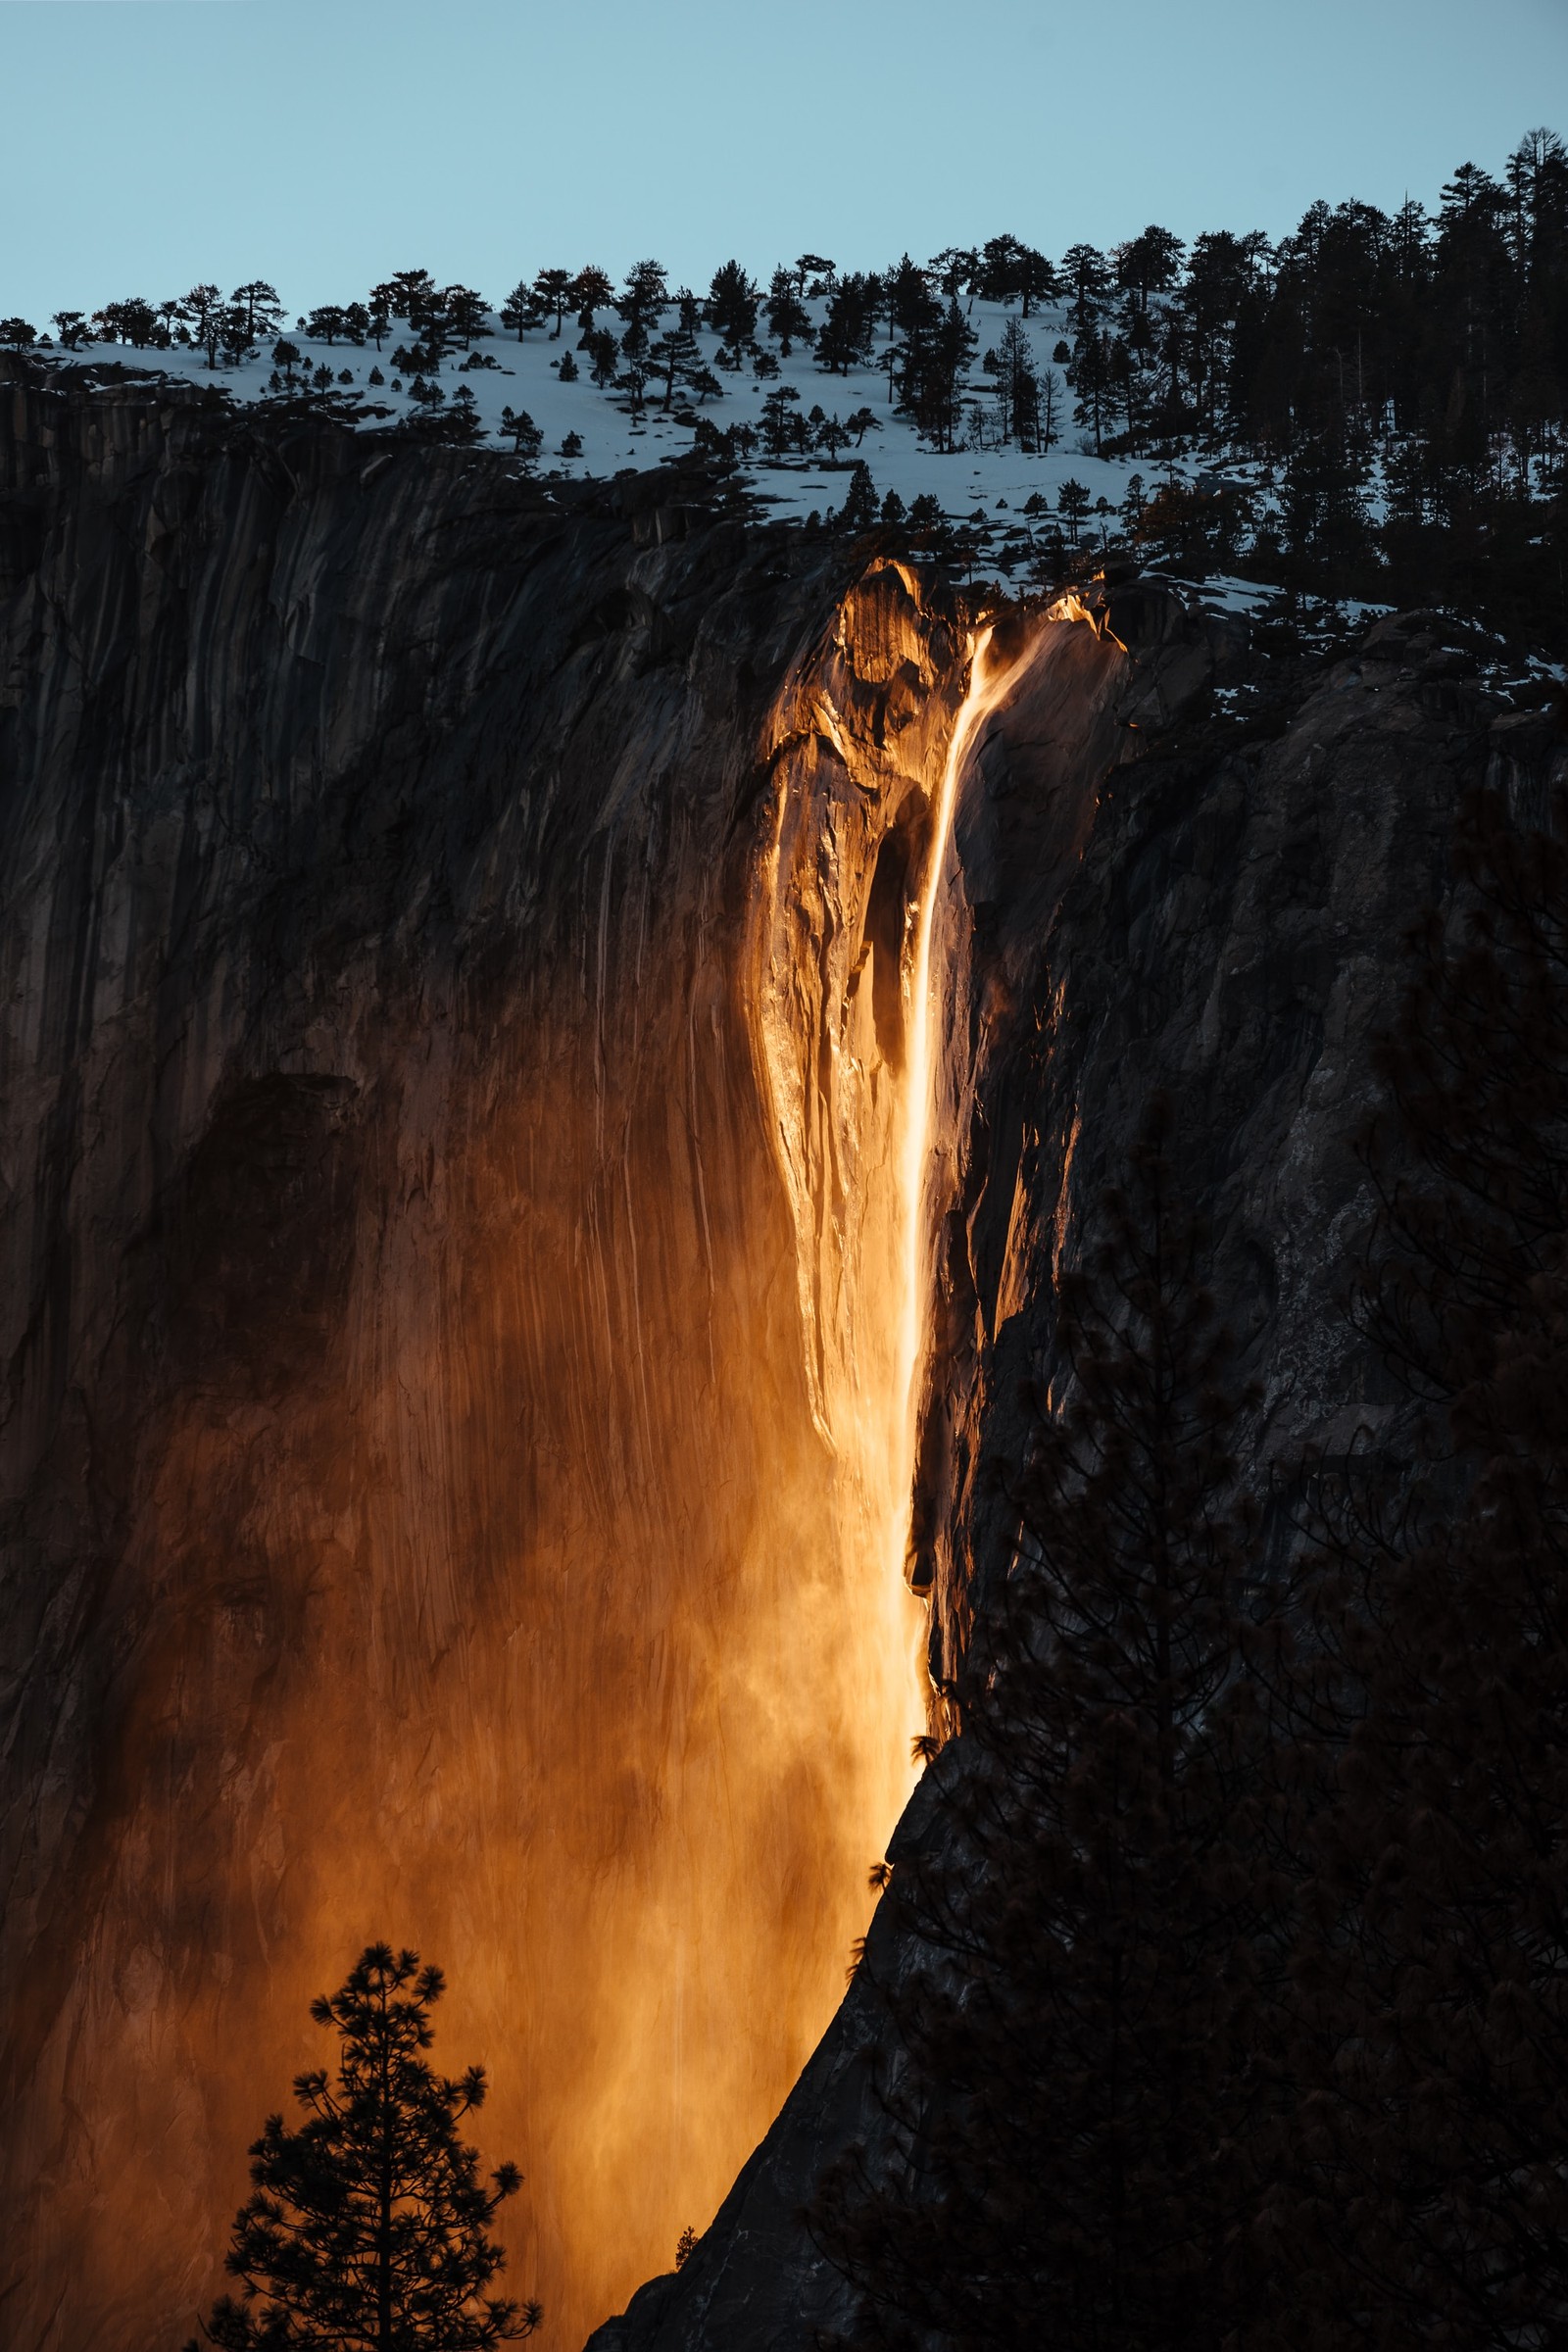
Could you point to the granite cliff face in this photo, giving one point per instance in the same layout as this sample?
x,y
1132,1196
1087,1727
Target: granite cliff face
x,y
417,1520
456,1097
1215,909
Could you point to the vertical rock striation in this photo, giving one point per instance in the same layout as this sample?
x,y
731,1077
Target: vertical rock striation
x,y
420,1514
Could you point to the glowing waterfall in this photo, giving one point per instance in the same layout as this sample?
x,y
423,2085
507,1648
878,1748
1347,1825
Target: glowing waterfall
x,y
987,688
853,1115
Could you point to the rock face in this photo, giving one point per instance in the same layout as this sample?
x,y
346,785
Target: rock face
x,y
417,1518
1220,916
457,1072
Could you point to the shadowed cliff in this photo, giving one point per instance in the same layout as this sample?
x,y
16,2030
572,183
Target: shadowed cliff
x,y
456,960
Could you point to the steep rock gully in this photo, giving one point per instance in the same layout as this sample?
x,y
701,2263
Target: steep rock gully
x,y
453,1079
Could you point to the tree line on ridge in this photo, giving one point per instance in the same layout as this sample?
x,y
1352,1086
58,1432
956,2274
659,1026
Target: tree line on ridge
x,y
1395,383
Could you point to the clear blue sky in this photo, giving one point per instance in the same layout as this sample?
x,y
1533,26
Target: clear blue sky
x,y
148,144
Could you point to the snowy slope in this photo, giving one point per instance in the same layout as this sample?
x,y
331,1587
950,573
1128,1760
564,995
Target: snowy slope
x,y
523,377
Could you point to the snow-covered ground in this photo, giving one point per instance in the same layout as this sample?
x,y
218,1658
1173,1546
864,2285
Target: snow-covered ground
x,y
995,479
981,483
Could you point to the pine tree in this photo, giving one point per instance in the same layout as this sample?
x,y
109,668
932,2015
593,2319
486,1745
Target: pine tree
x,y
552,292
203,311
860,509
636,370
1049,409
263,312
527,438
930,367
591,291
1090,2025
999,277
464,422
732,304
1017,385
776,423
1036,280
926,518
367,2226
1098,366
675,358
788,320
603,352
833,435
1148,264
1072,505
954,271
467,314
845,341
413,295
1088,280
521,309
645,294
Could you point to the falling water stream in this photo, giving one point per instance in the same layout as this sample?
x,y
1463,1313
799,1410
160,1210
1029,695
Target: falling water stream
x,y
989,685
862,1164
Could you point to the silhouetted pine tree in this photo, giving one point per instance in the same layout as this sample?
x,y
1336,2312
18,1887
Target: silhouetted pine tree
x,y
591,291
552,293
789,320
527,438
522,309
859,510
1090,1931
367,2226
732,304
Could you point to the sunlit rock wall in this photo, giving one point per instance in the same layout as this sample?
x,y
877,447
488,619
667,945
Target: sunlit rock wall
x,y
435,1256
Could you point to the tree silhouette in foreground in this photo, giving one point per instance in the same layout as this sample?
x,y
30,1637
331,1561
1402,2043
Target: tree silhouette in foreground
x,y
367,2226
1084,1982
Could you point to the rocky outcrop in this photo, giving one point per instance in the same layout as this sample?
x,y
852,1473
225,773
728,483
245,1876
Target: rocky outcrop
x,y
453,1051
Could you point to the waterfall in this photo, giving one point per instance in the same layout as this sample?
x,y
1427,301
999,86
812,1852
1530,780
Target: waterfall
x,y
989,683
853,964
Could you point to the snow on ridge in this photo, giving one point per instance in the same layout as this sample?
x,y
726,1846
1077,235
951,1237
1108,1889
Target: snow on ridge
x,y
995,479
